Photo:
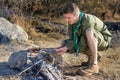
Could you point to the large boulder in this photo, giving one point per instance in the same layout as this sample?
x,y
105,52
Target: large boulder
x,y
11,31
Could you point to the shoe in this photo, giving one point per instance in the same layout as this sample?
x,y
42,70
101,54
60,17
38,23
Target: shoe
x,y
89,71
88,62
85,63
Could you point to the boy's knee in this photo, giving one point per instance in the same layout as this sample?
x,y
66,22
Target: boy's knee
x,y
89,33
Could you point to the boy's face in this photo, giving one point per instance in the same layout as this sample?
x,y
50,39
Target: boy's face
x,y
71,18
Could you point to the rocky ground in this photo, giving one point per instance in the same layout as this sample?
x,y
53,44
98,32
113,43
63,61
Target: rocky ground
x,y
109,63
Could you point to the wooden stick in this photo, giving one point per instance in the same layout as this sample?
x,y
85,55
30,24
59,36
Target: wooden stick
x,y
30,67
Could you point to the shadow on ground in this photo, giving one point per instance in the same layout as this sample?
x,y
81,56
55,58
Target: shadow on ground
x,y
5,70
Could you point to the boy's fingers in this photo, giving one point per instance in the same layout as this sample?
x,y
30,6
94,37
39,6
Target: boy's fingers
x,y
58,50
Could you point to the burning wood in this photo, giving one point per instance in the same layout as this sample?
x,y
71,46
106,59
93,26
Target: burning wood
x,y
46,64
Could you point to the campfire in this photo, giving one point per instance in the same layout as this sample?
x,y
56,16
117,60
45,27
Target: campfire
x,y
44,64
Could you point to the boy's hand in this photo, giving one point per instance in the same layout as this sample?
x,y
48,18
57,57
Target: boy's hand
x,y
61,50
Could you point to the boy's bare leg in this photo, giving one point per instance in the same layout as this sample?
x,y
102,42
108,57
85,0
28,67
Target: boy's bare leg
x,y
92,45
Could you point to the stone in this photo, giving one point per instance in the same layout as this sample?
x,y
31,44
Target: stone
x,y
12,31
18,59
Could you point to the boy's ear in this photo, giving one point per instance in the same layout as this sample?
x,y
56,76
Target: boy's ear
x,y
76,14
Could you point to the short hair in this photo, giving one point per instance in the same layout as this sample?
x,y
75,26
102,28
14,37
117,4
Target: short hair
x,y
70,8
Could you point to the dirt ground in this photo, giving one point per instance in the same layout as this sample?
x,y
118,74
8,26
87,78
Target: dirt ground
x,y
109,64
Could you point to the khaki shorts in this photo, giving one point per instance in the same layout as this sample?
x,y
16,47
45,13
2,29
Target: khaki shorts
x,y
102,44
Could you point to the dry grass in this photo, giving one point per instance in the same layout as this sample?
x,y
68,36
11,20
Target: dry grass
x,y
101,8
110,63
25,23
29,25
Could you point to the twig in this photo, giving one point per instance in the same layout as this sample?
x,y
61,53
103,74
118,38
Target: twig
x,y
30,67
37,72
